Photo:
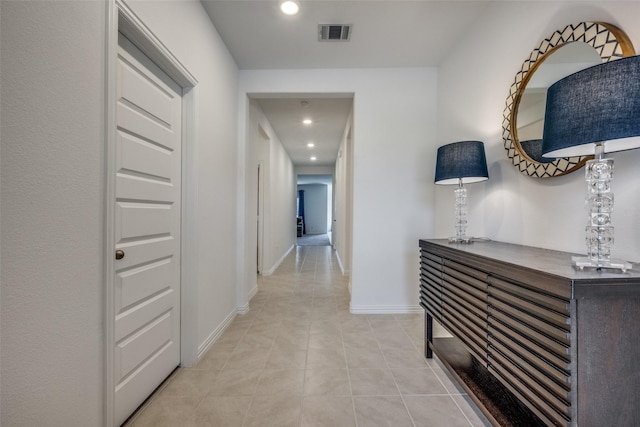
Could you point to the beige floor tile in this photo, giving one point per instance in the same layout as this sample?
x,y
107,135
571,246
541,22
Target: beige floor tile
x,y
213,360
266,328
394,339
365,358
323,316
238,326
404,358
359,340
256,341
354,323
325,340
418,381
326,411
435,411
283,358
372,382
469,409
247,358
218,411
294,326
236,383
281,381
445,378
325,326
382,411
417,337
333,382
190,383
318,358
228,342
166,412
382,323
414,323
288,340
274,411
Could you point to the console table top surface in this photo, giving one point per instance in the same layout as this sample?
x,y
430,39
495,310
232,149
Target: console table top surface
x,y
552,262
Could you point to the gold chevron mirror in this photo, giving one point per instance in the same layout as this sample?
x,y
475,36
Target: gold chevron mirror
x,y
566,51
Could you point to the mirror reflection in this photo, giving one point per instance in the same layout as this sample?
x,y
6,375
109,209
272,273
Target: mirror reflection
x,y
572,48
529,114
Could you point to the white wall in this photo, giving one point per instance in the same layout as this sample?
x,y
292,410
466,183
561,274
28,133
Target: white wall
x,y
52,209
315,208
343,197
279,191
52,212
474,82
394,135
282,205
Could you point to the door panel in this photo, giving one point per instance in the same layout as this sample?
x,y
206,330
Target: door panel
x,y
143,378
131,318
143,157
142,91
133,187
142,125
139,220
147,229
139,252
143,282
153,337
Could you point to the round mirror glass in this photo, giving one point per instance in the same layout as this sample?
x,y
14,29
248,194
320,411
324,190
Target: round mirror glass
x,y
529,113
566,51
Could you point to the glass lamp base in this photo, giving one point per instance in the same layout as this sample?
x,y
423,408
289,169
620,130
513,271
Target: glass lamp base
x,y
582,262
458,239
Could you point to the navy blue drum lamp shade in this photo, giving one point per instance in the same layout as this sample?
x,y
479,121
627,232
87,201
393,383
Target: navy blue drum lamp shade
x,y
600,104
463,161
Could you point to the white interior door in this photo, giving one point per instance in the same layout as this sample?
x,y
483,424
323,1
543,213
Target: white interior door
x,y
147,229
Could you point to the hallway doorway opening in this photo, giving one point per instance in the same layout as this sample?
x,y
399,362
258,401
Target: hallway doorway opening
x,y
315,209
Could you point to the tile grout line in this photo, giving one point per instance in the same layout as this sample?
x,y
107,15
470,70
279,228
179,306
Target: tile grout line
x,y
348,369
404,403
441,382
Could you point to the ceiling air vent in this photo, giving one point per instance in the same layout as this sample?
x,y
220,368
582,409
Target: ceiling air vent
x,y
331,33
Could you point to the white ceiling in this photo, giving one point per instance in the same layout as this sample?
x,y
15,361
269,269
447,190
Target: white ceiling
x,y
315,179
329,117
385,33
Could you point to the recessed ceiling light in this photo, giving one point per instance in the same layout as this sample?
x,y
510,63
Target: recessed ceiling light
x,y
307,121
313,158
311,145
290,7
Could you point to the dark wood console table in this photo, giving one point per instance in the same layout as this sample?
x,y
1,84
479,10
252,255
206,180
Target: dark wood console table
x,y
535,342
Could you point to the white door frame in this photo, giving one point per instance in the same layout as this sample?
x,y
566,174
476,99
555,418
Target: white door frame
x,y
260,216
120,18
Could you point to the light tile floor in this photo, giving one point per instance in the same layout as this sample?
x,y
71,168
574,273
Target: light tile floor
x,y
299,358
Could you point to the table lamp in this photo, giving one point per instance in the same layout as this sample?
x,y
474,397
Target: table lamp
x,y
595,111
461,163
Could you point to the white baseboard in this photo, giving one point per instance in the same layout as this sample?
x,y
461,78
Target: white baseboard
x,y
339,261
216,334
270,271
385,309
344,271
244,309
